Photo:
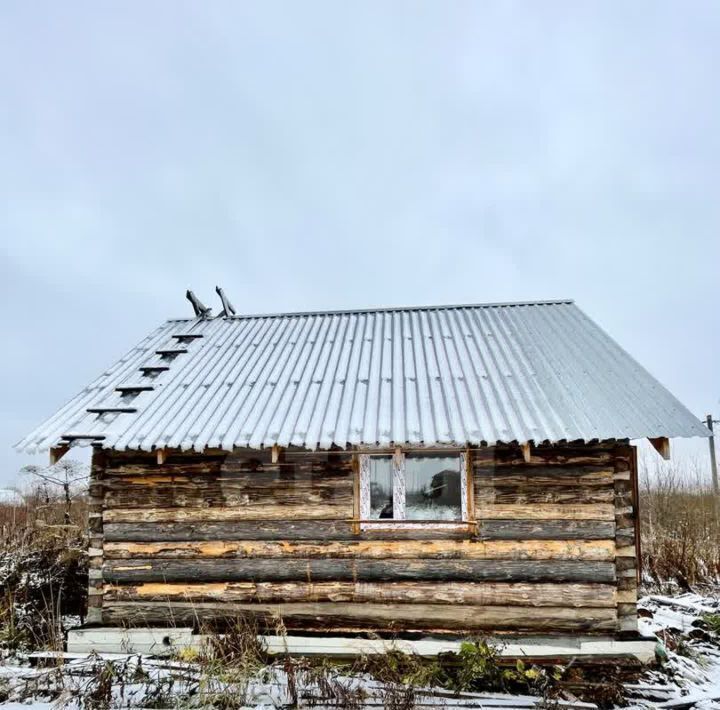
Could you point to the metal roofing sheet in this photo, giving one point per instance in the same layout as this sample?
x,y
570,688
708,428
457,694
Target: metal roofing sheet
x,y
435,375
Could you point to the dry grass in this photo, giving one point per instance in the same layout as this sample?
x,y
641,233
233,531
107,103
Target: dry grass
x,y
43,567
680,527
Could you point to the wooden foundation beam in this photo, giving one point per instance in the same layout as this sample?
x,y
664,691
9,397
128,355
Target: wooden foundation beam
x,y
333,615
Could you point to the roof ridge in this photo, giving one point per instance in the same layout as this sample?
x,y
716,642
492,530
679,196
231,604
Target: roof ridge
x,y
390,309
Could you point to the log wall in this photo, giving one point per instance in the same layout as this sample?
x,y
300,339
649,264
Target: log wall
x,y
549,547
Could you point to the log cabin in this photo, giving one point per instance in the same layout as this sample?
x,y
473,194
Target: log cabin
x,y
447,470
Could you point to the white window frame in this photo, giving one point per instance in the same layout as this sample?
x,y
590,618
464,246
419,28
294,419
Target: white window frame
x,y
398,467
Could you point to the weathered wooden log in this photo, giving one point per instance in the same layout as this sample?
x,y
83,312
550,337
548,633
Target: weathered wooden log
x,y
484,594
179,465
542,530
522,495
273,530
499,457
602,550
624,536
309,511
546,476
546,511
374,616
159,491
319,570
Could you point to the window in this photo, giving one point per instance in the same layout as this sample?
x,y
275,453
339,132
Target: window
x,y
413,487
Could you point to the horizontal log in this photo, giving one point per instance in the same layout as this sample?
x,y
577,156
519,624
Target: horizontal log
x,y
200,483
267,530
544,530
328,615
625,536
197,467
499,457
318,570
183,491
490,594
628,584
603,550
229,467
627,596
310,511
627,609
546,476
546,511
521,495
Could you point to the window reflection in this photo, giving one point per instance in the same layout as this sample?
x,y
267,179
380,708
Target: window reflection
x,y
432,488
381,487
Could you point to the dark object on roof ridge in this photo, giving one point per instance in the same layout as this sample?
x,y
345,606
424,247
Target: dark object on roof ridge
x,y
228,308
201,311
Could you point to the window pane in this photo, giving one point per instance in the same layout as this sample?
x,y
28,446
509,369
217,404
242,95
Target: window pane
x,y
381,487
432,488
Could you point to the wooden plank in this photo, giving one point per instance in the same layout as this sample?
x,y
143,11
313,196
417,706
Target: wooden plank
x,y
309,511
547,511
373,616
488,593
290,530
363,570
546,530
603,550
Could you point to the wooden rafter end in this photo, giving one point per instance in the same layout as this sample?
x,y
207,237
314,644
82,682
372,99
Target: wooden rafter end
x,y
57,452
661,444
526,451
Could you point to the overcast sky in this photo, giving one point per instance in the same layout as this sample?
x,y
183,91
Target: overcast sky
x,y
336,155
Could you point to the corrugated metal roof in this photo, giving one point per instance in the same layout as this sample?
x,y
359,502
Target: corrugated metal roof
x,y
433,375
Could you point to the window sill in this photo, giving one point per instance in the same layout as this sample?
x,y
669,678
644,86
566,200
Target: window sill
x,y
386,524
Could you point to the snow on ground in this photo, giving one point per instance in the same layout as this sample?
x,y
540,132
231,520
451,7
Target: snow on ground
x,y
688,677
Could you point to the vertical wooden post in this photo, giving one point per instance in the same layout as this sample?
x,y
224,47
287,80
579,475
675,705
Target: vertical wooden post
x,y
636,512
626,538
95,537
356,494
398,467
469,486
275,454
526,451
713,461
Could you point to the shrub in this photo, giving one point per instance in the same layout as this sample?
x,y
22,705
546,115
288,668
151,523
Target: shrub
x,y
680,527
